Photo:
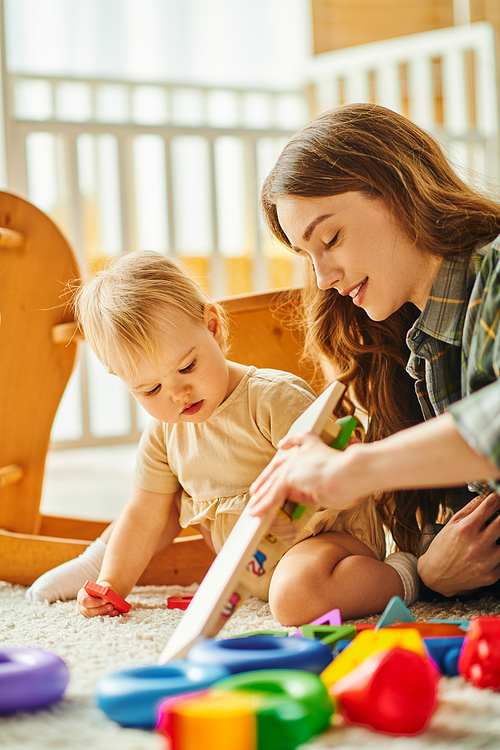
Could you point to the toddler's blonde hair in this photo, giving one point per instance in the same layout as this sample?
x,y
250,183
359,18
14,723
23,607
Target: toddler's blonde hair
x,y
123,308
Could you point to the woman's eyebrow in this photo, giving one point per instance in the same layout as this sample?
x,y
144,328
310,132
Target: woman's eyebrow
x,y
312,226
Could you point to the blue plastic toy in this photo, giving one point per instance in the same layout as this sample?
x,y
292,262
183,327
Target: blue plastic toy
x,y
445,653
396,611
131,697
262,652
30,678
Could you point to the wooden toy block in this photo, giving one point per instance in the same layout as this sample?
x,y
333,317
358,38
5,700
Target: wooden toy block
x,y
247,551
107,594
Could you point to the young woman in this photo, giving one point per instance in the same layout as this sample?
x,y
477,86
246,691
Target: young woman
x,y
402,299
215,426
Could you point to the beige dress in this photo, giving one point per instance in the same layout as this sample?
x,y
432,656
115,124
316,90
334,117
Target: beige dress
x,y
216,461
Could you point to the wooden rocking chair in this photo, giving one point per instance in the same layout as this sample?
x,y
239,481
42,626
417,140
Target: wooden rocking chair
x,y
38,348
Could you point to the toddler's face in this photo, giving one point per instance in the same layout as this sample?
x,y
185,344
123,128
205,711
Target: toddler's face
x,y
191,378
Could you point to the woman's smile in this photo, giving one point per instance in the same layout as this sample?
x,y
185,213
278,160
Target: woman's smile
x,y
356,247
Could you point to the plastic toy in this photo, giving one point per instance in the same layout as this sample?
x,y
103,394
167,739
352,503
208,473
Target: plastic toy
x,y
108,595
268,710
328,634
396,611
30,678
430,629
181,601
330,618
464,624
262,652
391,691
445,653
304,687
479,661
273,633
225,586
368,643
131,697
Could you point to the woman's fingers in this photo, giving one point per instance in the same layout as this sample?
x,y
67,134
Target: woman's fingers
x,y
465,555
290,475
480,508
280,458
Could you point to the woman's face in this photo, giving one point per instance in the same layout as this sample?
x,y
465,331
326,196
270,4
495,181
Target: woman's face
x,y
356,247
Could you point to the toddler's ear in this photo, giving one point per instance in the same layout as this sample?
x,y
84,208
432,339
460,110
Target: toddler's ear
x,y
212,321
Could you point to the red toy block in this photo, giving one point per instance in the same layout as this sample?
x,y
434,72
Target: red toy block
x,y
479,661
107,594
181,601
392,691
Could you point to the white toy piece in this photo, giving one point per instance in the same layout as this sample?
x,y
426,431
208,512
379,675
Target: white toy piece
x,y
247,548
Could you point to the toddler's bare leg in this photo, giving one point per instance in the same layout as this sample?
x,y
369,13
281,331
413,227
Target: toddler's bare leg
x,y
328,571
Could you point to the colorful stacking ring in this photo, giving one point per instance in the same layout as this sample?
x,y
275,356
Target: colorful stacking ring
x,y
262,652
30,678
131,697
260,710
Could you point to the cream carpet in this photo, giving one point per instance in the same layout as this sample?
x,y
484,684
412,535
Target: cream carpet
x,y
466,717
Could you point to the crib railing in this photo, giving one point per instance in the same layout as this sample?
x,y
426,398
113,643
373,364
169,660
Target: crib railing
x,y
177,168
444,80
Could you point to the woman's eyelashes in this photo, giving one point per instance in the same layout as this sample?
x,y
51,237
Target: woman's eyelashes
x,y
332,242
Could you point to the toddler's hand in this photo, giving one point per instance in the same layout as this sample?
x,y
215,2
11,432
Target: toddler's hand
x,y
91,606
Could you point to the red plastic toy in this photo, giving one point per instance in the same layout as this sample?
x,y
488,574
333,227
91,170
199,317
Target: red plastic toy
x,y
479,661
181,601
392,691
103,592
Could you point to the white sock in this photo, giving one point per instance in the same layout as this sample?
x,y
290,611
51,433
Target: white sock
x,y
406,565
65,581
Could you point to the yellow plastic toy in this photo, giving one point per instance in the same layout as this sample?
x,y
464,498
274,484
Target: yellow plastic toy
x,y
368,643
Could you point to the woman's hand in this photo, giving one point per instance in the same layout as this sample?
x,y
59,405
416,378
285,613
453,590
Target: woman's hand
x,y
464,555
306,471
92,606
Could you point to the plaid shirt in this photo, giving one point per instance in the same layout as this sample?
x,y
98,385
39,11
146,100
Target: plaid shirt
x,y
455,351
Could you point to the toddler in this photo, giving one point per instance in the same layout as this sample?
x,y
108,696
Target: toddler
x,y
215,426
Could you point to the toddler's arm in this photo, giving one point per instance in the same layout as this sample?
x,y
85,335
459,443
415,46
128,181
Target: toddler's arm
x,y
133,541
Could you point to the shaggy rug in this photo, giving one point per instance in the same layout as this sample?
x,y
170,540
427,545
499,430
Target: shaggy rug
x,y
466,717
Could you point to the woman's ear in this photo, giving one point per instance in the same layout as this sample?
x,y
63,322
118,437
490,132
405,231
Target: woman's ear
x,y
212,322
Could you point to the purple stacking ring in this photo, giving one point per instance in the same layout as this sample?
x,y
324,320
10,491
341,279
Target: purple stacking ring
x,y
30,678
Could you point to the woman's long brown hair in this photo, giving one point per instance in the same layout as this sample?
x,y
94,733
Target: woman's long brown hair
x,y
367,148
